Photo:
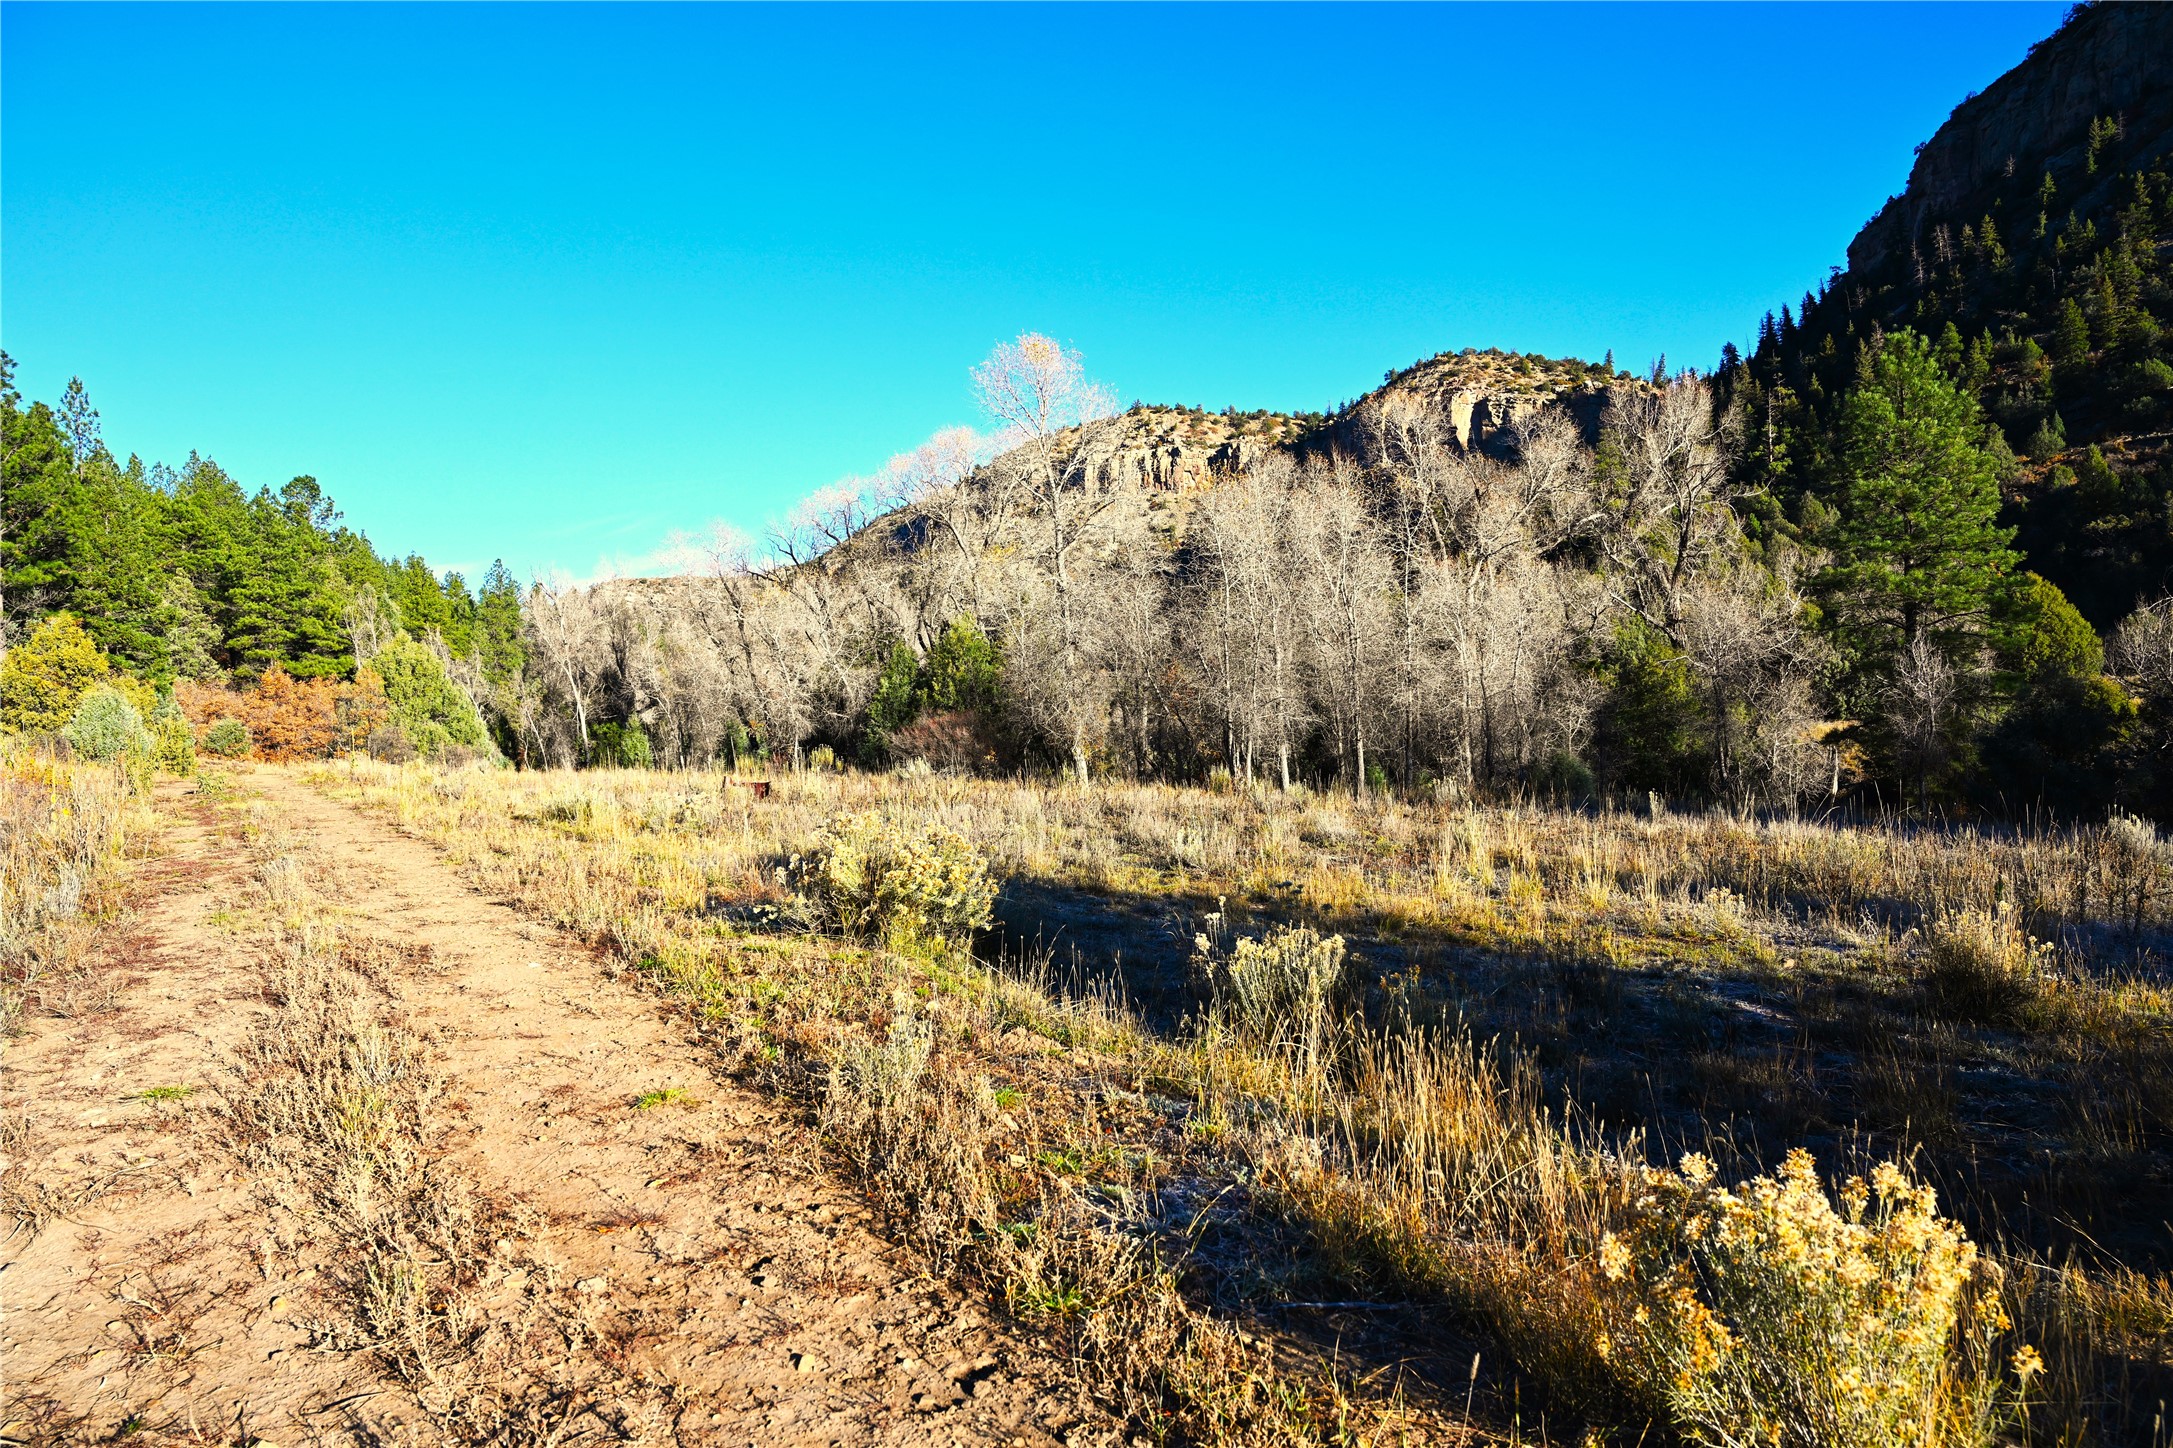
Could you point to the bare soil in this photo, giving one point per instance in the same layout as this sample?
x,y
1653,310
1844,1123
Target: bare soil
x,y
730,1289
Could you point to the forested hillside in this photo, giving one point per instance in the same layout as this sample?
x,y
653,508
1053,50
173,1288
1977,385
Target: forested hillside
x,y
182,574
2030,247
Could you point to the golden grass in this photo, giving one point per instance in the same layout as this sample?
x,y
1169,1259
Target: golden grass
x,y
65,828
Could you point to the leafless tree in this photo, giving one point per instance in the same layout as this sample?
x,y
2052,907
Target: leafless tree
x,y
1925,690
1038,390
2142,650
1343,596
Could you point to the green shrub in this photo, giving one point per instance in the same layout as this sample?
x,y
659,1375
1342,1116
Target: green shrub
x,y
227,738
45,676
962,670
1563,776
173,744
1764,1316
433,710
106,726
873,878
620,746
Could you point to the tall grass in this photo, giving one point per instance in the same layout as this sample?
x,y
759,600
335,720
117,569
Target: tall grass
x,y
64,829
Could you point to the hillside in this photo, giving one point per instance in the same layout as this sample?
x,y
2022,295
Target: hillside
x,y
2030,244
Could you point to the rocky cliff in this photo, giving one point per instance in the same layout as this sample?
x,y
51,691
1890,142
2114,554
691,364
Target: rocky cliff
x,y
2109,60
1485,396
1482,397
1173,449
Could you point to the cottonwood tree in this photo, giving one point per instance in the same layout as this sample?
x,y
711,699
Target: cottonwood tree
x,y
1345,581
1133,632
1038,390
565,643
958,525
1668,514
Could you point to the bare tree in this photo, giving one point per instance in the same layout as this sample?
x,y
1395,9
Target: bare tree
x,y
1346,581
1670,512
370,623
564,641
1925,691
2141,649
1038,390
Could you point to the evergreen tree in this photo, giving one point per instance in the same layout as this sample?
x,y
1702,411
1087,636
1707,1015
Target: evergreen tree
x,y
286,605
79,420
2071,338
1917,551
36,480
498,625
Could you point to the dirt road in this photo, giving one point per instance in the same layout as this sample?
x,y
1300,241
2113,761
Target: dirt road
x,y
705,1279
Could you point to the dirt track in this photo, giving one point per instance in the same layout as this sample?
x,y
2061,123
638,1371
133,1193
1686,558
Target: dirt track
x,y
730,1290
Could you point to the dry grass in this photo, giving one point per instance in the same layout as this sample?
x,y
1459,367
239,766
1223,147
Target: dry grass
x,y
1059,1149
336,1111
64,829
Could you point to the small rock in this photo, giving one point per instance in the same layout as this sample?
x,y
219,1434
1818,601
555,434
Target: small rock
x,y
806,1362
592,1284
277,1307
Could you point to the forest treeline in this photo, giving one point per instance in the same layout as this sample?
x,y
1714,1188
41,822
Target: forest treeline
x,y
1585,616
182,575
2047,299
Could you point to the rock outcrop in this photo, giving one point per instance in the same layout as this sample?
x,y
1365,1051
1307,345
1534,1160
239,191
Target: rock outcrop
x,y
1172,449
2108,60
1482,397
1485,396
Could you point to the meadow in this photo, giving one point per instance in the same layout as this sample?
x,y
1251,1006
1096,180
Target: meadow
x,y
1298,1116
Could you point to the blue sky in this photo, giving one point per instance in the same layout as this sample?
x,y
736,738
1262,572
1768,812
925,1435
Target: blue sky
x,y
549,283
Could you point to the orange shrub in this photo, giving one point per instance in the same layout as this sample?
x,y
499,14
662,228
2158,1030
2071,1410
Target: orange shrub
x,y
291,718
204,705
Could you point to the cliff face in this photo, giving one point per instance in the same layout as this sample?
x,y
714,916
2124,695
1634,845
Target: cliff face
x,y
1173,449
1486,396
2109,60
1482,397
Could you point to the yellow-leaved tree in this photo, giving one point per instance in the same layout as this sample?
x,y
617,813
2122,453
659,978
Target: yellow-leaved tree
x,y
43,678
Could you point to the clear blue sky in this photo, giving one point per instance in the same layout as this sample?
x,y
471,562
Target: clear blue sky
x,y
549,282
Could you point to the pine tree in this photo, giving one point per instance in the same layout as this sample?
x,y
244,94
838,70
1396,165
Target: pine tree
x,y
498,625
80,421
36,479
1916,548
286,605
2071,336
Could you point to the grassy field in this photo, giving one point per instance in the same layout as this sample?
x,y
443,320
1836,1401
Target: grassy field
x,y
1291,1115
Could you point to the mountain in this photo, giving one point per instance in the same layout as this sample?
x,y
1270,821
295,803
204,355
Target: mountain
x,y
2031,245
